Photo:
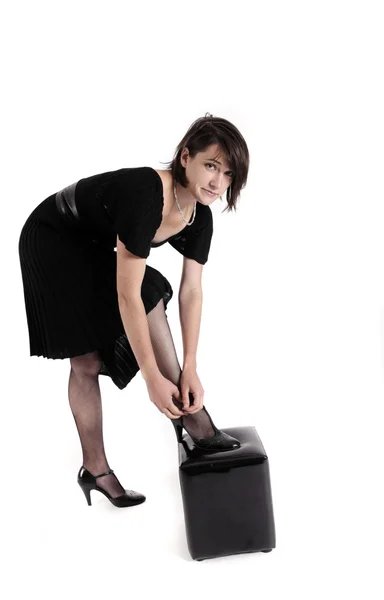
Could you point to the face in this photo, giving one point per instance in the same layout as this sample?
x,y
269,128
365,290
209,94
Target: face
x,y
207,172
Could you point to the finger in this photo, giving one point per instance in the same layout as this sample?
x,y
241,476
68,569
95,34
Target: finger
x,y
185,400
177,403
176,393
197,405
191,406
168,414
175,410
192,399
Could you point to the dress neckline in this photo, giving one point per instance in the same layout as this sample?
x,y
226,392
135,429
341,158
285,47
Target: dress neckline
x,y
162,199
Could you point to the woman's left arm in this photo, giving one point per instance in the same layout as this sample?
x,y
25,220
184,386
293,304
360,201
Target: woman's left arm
x,y
190,309
195,246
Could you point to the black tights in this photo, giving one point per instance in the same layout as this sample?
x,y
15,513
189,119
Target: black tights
x,y
85,399
198,424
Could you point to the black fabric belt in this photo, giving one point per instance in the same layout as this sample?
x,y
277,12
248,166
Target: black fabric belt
x,y
66,206
65,203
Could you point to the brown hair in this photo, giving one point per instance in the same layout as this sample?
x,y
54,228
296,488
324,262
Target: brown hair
x,y
209,130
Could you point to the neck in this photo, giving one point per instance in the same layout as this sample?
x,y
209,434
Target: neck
x,y
185,200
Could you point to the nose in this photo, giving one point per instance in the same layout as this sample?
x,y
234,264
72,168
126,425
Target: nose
x,y
215,183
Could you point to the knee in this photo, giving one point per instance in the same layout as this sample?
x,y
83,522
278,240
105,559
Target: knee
x,y
86,364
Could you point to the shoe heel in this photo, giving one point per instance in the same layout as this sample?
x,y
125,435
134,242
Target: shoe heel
x,y
178,428
87,493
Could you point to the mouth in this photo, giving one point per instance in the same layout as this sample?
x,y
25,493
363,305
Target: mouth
x,y
211,194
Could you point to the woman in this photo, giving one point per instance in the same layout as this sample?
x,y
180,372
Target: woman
x,y
84,301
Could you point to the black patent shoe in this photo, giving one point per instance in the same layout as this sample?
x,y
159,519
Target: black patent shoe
x,y
220,441
87,482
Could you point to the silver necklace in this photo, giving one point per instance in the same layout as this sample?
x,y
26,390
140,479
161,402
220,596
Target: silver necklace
x,y
178,206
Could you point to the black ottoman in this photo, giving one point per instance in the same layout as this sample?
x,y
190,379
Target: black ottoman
x,y
227,497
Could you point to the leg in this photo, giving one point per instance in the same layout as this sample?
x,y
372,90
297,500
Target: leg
x,y
85,403
198,424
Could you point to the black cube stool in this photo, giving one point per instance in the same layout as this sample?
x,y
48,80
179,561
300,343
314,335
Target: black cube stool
x,y
227,497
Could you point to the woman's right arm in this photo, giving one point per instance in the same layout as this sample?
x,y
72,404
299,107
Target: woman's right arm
x,y
129,277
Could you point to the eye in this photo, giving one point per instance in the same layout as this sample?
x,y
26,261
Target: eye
x,y
229,173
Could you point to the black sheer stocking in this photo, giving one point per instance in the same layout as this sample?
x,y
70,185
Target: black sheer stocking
x,y
85,399
198,424
85,403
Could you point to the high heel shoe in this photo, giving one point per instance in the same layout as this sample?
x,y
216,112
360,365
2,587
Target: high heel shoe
x,y
219,441
87,482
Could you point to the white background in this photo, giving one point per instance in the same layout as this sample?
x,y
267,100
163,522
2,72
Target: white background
x,y
293,309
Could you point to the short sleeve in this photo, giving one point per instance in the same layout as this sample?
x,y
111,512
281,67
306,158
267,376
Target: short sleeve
x,y
195,241
133,201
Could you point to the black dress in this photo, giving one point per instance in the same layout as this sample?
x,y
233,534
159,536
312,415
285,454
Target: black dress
x,y
68,265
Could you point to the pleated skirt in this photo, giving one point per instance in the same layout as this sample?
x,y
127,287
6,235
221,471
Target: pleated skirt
x,y
71,297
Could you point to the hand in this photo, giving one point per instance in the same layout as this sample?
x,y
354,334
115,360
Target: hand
x,y
160,392
191,387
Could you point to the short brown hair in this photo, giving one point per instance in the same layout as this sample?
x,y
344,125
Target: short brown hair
x,y
209,130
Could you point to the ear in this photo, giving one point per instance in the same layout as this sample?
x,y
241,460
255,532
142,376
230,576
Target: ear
x,y
184,156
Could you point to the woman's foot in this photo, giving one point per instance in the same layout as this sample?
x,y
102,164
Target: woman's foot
x,y
109,482
198,425
88,482
204,432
